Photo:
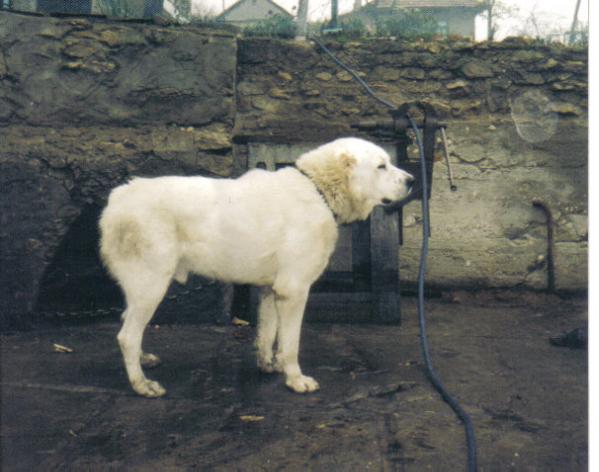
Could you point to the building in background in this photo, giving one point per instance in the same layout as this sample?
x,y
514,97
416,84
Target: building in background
x,y
249,12
114,8
453,17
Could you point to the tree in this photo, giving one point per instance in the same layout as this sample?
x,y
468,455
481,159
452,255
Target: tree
x,y
497,10
302,20
203,12
543,26
574,21
181,10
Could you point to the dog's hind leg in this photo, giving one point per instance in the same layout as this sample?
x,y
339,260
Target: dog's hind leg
x,y
267,330
141,305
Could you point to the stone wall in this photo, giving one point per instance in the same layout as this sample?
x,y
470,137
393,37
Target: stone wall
x,y
463,79
517,130
85,104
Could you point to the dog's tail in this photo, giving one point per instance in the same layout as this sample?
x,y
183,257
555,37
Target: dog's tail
x,y
121,235
121,239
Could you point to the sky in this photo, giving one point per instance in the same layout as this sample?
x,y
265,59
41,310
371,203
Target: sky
x,y
550,14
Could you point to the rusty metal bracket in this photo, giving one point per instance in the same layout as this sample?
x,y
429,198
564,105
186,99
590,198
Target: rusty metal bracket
x,y
550,259
397,127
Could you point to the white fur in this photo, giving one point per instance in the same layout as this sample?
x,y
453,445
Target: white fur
x,y
269,229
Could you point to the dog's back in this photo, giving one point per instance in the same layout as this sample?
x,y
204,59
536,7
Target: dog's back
x,y
226,229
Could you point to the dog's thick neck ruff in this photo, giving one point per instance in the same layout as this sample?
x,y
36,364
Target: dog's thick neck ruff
x,y
331,175
318,189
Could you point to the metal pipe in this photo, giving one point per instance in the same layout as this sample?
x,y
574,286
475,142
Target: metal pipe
x,y
550,261
452,186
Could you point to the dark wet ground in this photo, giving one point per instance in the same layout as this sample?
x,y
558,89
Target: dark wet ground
x,y
375,411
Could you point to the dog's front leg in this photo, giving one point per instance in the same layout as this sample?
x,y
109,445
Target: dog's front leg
x,y
290,307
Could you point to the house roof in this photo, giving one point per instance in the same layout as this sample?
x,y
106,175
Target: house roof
x,y
280,10
398,4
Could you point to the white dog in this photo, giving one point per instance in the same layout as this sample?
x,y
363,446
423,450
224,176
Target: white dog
x,y
275,230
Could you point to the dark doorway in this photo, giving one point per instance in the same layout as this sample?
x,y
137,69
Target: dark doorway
x,y
76,280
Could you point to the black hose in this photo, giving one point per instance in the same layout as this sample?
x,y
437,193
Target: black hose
x,y
354,74
430,371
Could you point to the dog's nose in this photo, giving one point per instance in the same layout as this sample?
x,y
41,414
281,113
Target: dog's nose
x,y
409,182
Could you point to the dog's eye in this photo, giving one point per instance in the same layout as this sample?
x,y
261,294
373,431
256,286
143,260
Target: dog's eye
x,y
382,167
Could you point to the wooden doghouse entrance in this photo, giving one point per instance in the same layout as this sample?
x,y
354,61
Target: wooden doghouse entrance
x,y
362,279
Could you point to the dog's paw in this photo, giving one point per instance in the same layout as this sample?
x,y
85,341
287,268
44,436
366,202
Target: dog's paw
x,y
268,367
150,360
302,384
149,388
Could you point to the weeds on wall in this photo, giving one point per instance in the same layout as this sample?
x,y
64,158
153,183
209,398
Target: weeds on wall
x,y
403,24
354,28
408,24
274,27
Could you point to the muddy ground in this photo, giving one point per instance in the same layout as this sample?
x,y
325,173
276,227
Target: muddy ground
x,y
375,411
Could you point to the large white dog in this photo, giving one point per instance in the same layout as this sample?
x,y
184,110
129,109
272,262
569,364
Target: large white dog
x,y
275,230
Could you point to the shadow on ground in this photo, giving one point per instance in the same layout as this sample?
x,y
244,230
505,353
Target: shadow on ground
x,y
376,410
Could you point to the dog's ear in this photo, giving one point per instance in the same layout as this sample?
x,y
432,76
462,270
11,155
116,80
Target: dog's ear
x,y
347,160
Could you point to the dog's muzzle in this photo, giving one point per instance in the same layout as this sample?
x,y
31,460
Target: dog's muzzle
x,y
392,205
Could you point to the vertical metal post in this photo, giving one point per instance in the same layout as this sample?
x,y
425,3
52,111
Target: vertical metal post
x,y
574,21
334,14
302,20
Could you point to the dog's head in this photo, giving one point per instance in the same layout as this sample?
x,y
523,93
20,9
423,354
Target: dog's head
x,y
355,175
373,179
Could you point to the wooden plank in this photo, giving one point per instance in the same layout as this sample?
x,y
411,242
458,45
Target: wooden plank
x,y
361,264
340,307
338,298
384,260
384,251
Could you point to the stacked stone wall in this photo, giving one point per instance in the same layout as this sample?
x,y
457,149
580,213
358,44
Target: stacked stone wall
x,y
87,103
517,130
